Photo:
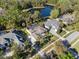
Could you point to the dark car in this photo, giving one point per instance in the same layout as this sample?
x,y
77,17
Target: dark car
x,y
78,57
66,43
73,51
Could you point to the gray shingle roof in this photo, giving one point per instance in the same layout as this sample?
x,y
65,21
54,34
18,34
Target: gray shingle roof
x,y
72,36
54,24
10,36
67,18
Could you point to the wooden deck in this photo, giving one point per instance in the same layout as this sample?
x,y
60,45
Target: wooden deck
x,y
50,4
26,10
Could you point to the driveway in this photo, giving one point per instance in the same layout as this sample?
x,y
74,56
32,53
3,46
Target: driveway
x,y
57,35
69,38
41,52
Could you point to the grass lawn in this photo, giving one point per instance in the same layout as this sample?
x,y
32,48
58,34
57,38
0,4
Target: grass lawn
x,y
52,46
76,46
68,34
62,33
70,27
75,40
53,38
74,26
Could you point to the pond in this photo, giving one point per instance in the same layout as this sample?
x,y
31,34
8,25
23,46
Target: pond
x,y
45,11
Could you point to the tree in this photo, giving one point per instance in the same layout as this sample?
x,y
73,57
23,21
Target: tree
x,y
1,53
54,13
24,4
35,16
37,57
67,55
64,5
53,1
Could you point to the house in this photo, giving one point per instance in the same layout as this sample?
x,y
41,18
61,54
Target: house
x,y
20,33
37,31
2,42
72,37
53,25
7,38
68,18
